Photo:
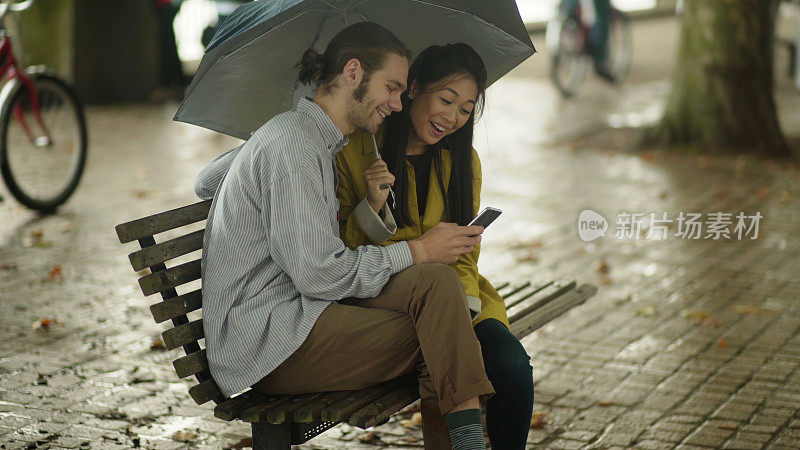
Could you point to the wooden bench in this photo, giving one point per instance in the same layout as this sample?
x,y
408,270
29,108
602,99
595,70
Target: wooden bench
x,y
279,421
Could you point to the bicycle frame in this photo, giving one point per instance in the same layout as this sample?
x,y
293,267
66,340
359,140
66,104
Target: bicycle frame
x,y
8,65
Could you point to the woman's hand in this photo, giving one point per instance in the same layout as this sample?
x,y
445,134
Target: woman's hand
x,y
375,175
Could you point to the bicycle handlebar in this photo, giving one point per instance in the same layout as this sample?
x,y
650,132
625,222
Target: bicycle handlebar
x,y
7,6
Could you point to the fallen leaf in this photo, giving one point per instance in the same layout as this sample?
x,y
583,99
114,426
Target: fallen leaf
x,y
727,426
649,156
538,419
367,437
762,193
45,324
55,274
66,227
746,309
158,344
606,281
647,311
8,266
785,197
140,193
605,403
722,343
602,266
529,257
414,421
663,195
184,436
696,314
36,239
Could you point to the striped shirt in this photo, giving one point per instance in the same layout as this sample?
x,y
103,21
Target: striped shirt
x,y
272,257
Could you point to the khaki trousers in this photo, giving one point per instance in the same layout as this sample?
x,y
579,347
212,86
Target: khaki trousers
x,y
419,323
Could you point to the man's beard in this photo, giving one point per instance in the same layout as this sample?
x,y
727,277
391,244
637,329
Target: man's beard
x,y
361,109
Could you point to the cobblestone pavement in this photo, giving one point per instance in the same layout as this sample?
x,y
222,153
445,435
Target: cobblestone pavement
x,y
689,342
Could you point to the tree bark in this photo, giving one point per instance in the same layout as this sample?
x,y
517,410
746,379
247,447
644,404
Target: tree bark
x,y
722,86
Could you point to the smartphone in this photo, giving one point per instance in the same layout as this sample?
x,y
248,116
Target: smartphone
x,y
486,217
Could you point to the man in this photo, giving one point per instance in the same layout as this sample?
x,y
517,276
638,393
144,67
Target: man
x,y
274,267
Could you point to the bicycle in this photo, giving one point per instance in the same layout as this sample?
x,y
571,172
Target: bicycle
x,y
43,140
568,41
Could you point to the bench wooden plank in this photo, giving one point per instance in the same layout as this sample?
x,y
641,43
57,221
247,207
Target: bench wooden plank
x,y
379,410
525,294
170,278
158,223
177,306
516,289
313,412
532,322
183,334
540,299
264,411
191,364
232,408
163,252
342,409
205,391
285,411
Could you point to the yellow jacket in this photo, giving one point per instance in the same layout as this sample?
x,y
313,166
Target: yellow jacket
x,y
352,190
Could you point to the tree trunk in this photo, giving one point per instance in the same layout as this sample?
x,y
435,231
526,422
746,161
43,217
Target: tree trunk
x,y
722,85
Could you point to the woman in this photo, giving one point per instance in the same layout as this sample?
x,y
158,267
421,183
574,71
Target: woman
x,y
436,177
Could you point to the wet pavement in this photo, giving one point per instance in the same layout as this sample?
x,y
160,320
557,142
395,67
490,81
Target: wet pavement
x,y
689,342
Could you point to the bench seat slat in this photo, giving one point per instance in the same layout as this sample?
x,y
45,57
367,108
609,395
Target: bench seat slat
x,y
177,306
313,412
233,407
183,334
532,322
380,409
541,298
158,223
191,364
170,278
516,289
342,409
205,391
520,296
271,409
285,411
159,253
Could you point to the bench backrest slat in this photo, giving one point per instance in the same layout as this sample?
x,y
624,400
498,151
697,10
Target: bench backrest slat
x,y
183,334
205,391
177,306
170,278
158,223
166,250
191,364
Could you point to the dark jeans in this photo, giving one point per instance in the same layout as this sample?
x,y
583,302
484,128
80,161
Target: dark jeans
x,y
508,412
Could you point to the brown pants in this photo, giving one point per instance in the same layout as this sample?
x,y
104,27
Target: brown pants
x,y
419,323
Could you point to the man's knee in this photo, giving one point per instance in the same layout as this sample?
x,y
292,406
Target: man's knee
x,y
435,273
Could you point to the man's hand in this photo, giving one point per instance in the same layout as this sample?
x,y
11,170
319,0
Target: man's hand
x,y
375,175
444,243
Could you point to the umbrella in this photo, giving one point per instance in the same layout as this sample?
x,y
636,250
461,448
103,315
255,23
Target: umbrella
x,y
247,74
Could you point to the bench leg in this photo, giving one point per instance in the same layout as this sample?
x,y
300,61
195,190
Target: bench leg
x,y
267,436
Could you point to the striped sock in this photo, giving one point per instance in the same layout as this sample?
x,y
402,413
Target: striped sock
x,y
466,431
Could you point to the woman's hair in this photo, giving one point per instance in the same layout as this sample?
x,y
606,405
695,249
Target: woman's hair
x,y
437,64
368,42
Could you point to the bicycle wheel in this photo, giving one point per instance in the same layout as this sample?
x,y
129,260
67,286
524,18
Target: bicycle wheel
x,y
42,166
620,45
569,61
